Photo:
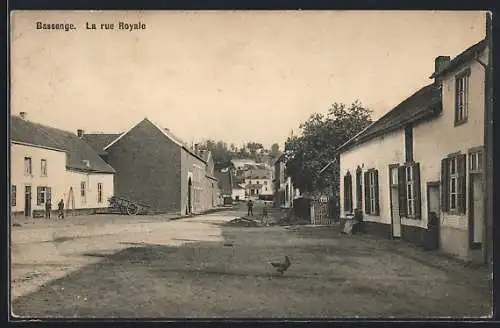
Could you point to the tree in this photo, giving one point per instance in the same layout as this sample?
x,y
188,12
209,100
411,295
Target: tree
x,y
320,136
275,150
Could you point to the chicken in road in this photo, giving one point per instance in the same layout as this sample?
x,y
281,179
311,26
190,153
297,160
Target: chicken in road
x,y
281,267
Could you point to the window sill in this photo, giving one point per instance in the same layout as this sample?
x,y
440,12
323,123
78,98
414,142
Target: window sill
x,y
461,122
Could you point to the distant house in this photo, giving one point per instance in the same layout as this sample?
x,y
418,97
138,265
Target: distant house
x,y
53,164
424,160
238,192
156,168
258,181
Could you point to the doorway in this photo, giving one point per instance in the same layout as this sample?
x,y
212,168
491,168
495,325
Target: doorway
x,y
394,198
433,214
476,206
27,201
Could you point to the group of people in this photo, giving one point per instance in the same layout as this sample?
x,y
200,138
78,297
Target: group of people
x,y
60,209
265,211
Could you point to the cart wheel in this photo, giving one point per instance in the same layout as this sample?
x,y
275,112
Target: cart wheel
x,y
132,209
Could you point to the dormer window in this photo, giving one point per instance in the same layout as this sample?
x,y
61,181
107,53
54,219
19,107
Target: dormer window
x,y
462,97
86,163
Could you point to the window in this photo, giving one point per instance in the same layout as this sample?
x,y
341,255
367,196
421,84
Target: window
x,y
13,195
453,184
265,182
409,143
43,167
371,192
476,161
99,193
83,192
348,193
42,195
462,97
407,177
27,166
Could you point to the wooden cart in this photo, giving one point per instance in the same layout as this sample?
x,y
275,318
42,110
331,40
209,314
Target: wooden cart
x,y
126,206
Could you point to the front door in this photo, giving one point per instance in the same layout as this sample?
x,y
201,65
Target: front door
x,y
27,200
476,209
396,219
433,214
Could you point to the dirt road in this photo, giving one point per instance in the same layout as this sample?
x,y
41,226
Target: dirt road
x,y
198,267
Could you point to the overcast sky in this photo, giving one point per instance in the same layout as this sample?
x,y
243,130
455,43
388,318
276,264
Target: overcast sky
x,y
236,76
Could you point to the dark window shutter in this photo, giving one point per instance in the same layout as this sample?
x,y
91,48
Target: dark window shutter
x,y
359,192
461,190
444,184
346,193
416,188
377,207
349,183
367,193
402,191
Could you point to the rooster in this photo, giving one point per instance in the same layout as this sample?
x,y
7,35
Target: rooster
x,y
281,267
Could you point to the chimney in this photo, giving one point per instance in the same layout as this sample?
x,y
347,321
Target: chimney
x,y
439,63
79,133
23,115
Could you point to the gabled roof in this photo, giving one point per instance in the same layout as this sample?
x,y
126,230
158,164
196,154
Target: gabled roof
x,y
467,55
165,132
423,104
100,140
78,151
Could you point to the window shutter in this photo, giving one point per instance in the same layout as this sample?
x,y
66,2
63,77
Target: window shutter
x,y
416,188
49,194
349,198
367,193
377,207
346,209
402,191
444,184
461,190
359,192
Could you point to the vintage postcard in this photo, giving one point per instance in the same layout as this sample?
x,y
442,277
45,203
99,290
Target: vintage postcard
x,y
250,164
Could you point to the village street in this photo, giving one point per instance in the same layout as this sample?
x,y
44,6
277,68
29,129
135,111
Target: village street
x,y
139,266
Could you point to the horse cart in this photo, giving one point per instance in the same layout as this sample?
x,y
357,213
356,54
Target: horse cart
x,y
126,206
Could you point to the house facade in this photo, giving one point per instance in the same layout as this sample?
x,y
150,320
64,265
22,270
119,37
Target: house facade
x,y
258,181
284,190
418,169
156,168
52,164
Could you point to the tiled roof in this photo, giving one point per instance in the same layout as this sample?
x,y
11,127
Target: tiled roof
x,y
468,54
78,150
424,103
100,140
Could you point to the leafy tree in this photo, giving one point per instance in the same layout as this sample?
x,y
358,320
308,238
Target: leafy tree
x,y
320,136
275,150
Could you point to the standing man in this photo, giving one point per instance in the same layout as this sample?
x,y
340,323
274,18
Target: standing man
x,y
265,214
60,207
48,208
250,207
